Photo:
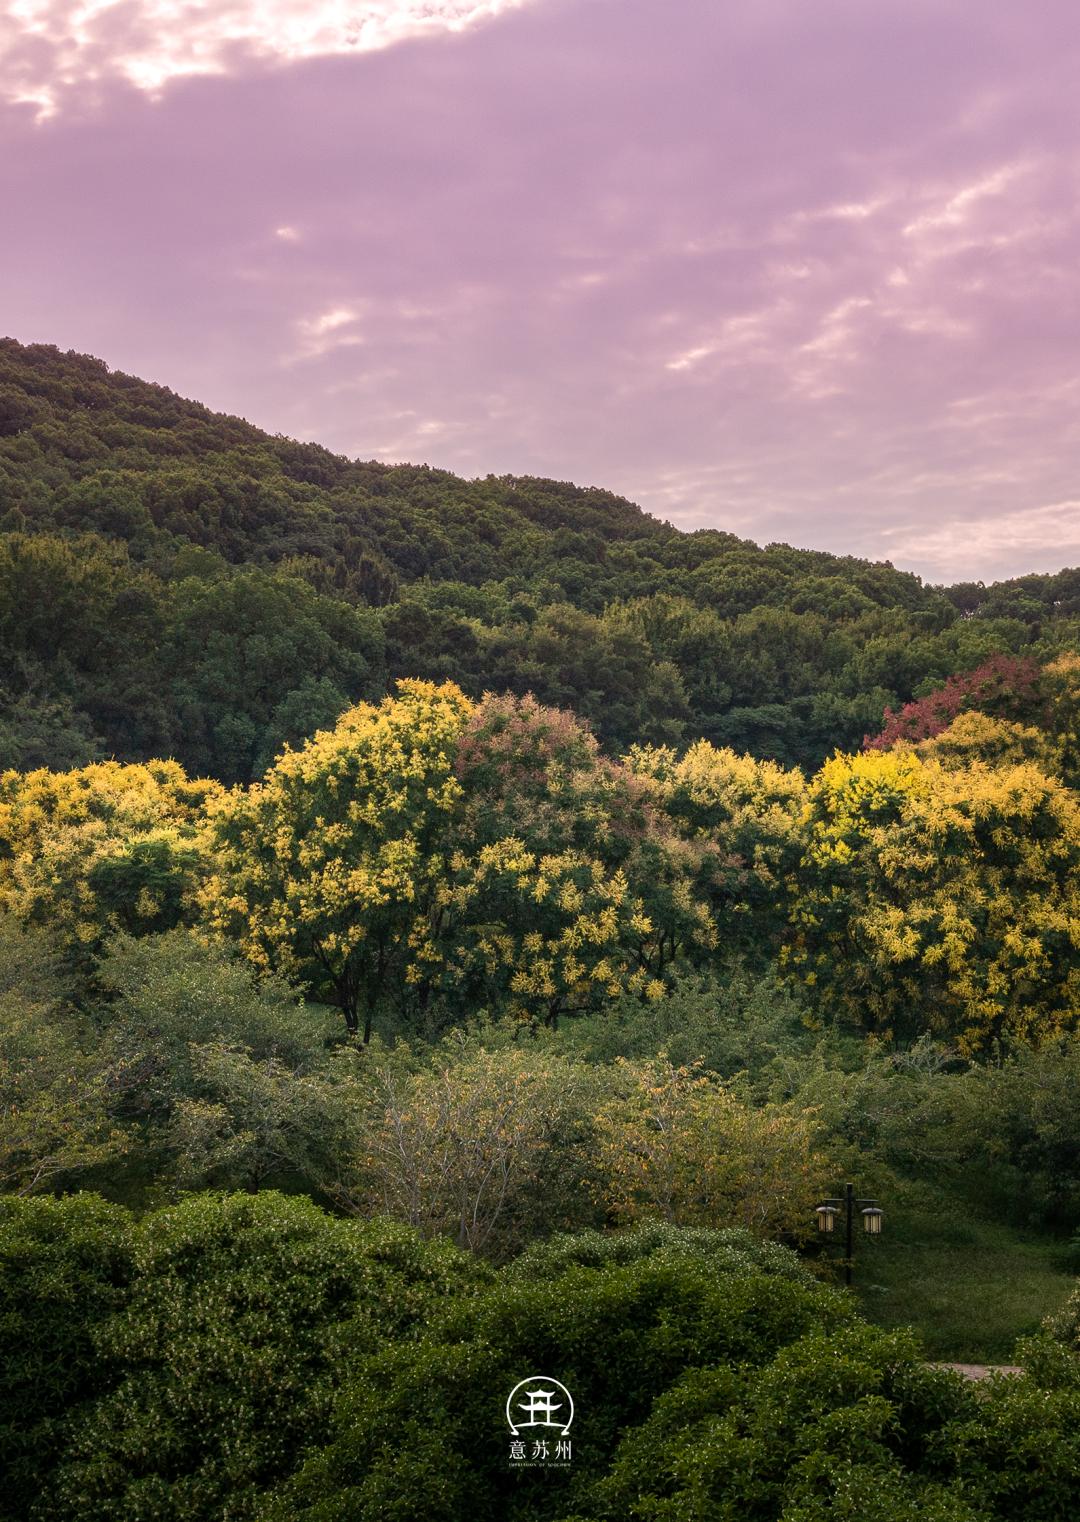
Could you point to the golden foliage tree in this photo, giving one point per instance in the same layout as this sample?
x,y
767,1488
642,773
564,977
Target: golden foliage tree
x,y
941,897
742,823
103,848
328,864
976,737
537,775
1060,683
430,846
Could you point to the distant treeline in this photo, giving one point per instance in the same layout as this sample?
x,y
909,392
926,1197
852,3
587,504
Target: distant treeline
x,y
176,582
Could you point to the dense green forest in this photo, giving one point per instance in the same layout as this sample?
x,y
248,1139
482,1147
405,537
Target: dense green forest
x,y
452,932
176,583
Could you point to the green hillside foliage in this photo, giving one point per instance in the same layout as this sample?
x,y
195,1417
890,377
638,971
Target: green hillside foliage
x,y
176,582
458,931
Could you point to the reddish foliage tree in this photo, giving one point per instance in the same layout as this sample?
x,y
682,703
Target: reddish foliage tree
x,y
1005,687
538,773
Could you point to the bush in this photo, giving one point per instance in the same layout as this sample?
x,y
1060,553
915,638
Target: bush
x,y
1018,1451
249,1357
484,1146
839,1424
421,1430
215,1073
730,1250
677,1143
1064,1324
244,1314
173,990
738,1025
64,1267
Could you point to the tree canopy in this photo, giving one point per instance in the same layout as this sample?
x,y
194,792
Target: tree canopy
x,y
174,582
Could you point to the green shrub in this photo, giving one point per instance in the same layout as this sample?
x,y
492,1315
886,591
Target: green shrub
x,y
244,1315
737,1024
249,1358
728,1250
846,1423
1064,1324
1018,1452
421,1430
64,1266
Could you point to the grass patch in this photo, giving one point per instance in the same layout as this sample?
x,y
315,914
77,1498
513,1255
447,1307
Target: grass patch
x,y
970,1285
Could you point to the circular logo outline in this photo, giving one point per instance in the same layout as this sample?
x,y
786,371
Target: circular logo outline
x,y
539,1379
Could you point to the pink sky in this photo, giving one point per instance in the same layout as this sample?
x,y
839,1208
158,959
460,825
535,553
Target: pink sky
x,y
807,272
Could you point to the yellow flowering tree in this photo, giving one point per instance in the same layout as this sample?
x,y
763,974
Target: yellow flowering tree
x,y
325,867
484,854
1060,684
611,887
742,824
536,936
106,847
941,897
976,737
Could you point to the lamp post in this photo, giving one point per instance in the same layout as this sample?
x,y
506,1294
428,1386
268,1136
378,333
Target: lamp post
x,y
830,1211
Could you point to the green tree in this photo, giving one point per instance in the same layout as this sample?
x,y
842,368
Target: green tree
x,y
427,1420
258,659
224,1360
213,1068
469,1145
55,1099
64,1270
678,1144
255,1123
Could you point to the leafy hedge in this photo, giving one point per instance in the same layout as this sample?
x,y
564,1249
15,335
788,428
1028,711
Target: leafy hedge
x,y
65,1268
251,1357
185,1361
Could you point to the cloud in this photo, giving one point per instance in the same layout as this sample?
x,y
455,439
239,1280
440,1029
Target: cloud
x,y
957,206
1042,538
333,329
726,260
48,46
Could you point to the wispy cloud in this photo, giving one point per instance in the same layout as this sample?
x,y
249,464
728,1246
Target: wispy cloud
x,y
332,329
48,45
726,260
1041,538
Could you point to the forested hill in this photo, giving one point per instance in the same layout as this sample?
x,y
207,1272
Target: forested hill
x,y
176,582
89,449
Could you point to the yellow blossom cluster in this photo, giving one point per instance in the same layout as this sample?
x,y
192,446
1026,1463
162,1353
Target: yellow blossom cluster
x,y
106,846
943,897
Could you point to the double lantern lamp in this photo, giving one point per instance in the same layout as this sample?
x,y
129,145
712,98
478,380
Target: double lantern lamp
x,y
830,1212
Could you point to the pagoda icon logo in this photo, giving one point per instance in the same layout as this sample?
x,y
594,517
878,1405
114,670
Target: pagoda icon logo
x,y
539,1402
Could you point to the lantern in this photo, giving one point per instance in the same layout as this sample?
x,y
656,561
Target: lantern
x,y
826,1217
871,1220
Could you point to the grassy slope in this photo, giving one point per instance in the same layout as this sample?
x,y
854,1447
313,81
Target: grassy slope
x,y
969,1284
